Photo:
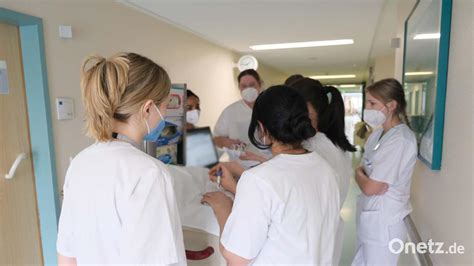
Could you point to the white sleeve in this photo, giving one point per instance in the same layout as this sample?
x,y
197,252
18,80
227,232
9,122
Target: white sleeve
x,y
65,241
221,129
151,229
247,227
387,160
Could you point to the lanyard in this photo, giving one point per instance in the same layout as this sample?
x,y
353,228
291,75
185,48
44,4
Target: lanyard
x,y
129,140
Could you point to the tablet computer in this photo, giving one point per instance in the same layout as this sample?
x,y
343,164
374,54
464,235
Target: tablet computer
x,y
199,148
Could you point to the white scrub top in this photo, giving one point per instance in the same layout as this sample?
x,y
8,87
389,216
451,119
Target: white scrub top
x,y
286,211
119,207
234,123
339,160
390,159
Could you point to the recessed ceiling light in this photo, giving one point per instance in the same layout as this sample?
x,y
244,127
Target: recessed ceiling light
x,y
347,85
301,44
421,73
427,36
334,76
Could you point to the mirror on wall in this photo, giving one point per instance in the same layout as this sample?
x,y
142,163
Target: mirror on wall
x,y
425,73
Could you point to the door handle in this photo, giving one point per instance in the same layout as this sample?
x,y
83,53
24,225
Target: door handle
x,y
16,163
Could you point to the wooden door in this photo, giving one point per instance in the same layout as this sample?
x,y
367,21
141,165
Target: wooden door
x,y
20,240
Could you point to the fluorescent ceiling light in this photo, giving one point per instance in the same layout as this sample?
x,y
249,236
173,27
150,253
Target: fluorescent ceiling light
x,y
334,76
347,85
427,36
421,73
301,44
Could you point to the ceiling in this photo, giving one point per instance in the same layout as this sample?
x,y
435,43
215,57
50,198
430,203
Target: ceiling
x,y
237,24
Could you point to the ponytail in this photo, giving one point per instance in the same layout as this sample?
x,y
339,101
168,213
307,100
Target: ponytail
x,y
334,119
102,87
329,106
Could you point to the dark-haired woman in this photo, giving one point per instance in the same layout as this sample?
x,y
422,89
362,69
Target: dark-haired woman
x,y
283,212
384,176
193,109
326,111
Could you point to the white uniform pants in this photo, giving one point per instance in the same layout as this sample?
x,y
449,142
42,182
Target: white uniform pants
x,y
370,254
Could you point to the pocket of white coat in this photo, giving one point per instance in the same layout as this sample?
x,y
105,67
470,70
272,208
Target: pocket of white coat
x,y
372,228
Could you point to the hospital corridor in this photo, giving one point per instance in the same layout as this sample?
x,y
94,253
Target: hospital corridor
x,y
236,132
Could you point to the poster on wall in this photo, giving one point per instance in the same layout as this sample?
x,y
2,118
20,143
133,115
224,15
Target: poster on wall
x,y
170,140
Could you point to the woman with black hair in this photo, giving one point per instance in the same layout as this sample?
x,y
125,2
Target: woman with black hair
x,y
286,210
326,111
193,109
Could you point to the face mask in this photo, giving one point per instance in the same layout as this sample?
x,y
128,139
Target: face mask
x,y
250,94
192,116
374,118
155,132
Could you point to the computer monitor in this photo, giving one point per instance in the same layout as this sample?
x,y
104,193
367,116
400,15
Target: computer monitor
x,y
199,148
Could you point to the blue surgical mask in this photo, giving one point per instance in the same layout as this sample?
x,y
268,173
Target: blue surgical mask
x,y
155,132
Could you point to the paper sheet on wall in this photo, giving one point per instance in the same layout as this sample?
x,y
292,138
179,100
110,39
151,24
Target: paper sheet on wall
x,y
3,78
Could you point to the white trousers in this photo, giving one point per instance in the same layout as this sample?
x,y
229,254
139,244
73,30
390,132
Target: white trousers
x,y
370,254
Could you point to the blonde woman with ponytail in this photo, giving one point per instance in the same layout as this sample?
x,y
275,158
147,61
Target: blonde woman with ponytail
x,y
119,205
384,176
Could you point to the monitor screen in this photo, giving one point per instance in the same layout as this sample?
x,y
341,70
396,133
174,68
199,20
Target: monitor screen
x,y
200,149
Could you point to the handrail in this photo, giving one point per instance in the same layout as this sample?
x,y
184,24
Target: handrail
x,y
422,258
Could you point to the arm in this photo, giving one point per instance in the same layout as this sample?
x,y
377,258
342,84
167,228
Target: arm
x,y
222,206
251,156
66,261
231,258
225,142
369,186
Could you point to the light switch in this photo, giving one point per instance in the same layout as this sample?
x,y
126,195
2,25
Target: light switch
x,y
65,32
65,108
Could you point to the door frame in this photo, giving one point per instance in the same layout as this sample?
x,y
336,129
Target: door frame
x,y
41,133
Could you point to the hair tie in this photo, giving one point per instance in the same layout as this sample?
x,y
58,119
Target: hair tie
x,y
329,95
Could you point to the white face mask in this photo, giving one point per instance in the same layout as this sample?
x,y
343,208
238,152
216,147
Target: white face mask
x,y
192,116
250,94
374,118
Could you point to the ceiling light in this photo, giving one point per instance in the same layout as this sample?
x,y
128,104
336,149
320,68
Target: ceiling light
x,y
347,85
421,73
334,76
301,44
427,36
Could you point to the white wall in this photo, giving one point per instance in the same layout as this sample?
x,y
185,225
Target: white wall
x,y
384,66
106,27
442,200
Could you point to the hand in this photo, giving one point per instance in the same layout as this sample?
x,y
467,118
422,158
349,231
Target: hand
x,y
360,172
227,181
219,202
251,156
383,189
227,142
235,168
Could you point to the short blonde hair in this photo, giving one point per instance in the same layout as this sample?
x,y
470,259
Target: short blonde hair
x,y
117,87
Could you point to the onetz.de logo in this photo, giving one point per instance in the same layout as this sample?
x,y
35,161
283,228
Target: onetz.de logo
x,y
398,246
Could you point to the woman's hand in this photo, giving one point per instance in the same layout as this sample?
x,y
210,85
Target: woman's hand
x,y
235,168
226,142
220,204
251,156
227,180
